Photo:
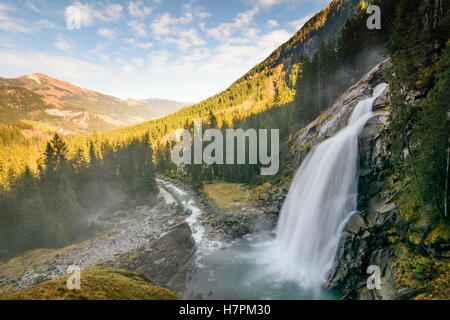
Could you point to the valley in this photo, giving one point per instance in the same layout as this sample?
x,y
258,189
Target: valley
x,y
66,108
361,180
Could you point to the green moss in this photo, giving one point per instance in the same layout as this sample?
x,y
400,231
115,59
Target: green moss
x,y
429,276
96,284
440,234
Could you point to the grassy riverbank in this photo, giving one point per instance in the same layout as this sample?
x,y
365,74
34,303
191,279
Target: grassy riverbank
x,y
96,284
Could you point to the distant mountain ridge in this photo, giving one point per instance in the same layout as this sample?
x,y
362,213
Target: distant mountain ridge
x,y
163,106
60,104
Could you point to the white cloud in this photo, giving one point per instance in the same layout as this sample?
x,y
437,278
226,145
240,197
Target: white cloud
x,y
268,3
113,11
186,39
128,68
10,24
298,24
272,23
144,45
234,58
163,25
61,67
45,24
62,44
107,33
138,10
158,62
225,30
196,11
139,62
138,27
89,15
231,59
33,7
98,52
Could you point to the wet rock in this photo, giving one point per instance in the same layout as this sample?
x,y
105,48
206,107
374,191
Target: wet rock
x,y
355,223
405,293
165,264
364,240
382,101
127,235
375,160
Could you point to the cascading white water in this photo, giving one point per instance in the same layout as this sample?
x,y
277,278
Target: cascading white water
x,y
321,199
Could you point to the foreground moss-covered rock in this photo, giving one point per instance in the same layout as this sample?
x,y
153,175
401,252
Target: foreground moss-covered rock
x,y
96,284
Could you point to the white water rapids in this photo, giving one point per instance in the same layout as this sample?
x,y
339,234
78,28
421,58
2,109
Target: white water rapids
x,y
321,199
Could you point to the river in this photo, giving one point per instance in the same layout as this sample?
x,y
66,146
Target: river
x,y
291,262
240,269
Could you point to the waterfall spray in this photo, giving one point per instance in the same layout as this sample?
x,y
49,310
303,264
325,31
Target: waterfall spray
x,y
321,199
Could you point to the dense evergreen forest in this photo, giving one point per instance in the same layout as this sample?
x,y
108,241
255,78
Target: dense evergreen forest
x,y
49,209
316,83
268,85
45,204
419,49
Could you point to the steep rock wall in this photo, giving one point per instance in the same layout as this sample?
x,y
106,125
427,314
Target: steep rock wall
x,y
364,240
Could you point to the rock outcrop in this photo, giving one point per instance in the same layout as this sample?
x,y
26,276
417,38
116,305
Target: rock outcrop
x,y
166,261
364,240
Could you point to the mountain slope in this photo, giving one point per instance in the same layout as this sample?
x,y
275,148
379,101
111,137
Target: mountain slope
x,y
71,108
268,85
323,26
163,107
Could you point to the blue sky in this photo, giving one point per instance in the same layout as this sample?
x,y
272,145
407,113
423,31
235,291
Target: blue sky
x,y
185,50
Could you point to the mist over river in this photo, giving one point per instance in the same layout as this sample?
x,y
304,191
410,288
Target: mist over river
x,y
292,261
240,269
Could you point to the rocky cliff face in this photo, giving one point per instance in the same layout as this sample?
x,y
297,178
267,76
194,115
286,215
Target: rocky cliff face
x,y
364,240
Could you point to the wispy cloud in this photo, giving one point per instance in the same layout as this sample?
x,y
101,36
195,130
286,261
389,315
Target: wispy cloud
x,y
158,62
139,62
107,33
186,39
61,67
225,30
142,45
233,58
104,12
138,28
272,23
196,11
113,11
135,39
31,4
45,24
10,24
62,44
268,3
138,10
98,52
163,25
298,24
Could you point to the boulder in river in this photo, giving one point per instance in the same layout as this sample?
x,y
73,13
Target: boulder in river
x,y
168,260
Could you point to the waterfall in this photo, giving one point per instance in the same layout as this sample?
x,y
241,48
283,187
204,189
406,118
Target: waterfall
x,y
321,199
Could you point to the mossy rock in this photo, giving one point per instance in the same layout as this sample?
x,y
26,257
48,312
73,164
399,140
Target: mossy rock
x,y
97,283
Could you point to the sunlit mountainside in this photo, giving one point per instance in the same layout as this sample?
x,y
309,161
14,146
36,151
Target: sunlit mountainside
x,y
45,103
